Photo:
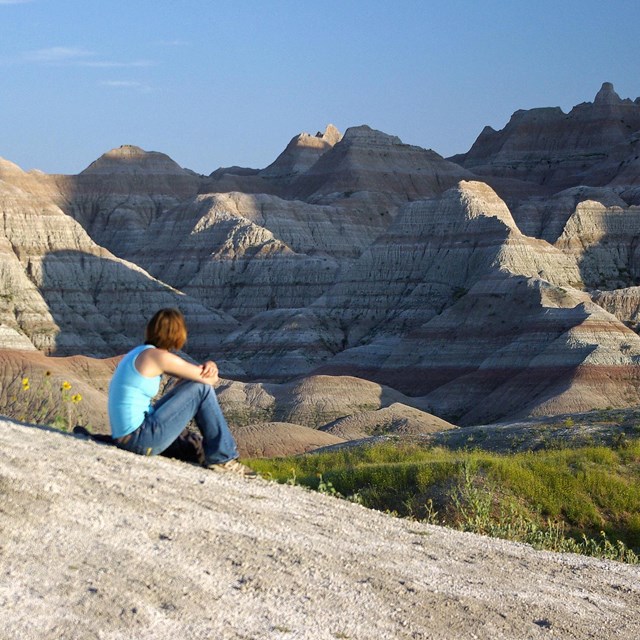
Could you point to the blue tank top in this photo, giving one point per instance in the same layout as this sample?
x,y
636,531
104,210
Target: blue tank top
x,y
130,394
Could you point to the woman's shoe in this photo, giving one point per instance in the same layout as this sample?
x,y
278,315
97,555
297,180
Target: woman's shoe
x,y
233,466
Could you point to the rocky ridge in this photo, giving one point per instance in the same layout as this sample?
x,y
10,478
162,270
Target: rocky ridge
x,y
603,240
378,168
547,147
301,154
131,160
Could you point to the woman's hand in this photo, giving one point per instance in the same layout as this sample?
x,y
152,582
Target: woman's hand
x,y
210,371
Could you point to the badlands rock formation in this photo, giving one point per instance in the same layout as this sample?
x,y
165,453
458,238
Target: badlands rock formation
x,y
547,147
274,439
247,253
397,418
604,241
500,286
462,275
622,303
546,217
378,168
312,401
118,196
430,257
508,347
365,169
131,160
63,293
434,252
301,154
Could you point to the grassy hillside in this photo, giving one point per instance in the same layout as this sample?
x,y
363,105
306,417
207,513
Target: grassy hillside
x,y
585,500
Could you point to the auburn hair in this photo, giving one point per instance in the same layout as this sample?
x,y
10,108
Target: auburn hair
x,y
166,330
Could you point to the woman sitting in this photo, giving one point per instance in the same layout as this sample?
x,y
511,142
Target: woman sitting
x,y
149,429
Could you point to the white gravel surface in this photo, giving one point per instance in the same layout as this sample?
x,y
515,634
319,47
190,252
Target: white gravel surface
x,y
98,543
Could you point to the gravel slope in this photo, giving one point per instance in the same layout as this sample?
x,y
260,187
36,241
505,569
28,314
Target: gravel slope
x,y
98,543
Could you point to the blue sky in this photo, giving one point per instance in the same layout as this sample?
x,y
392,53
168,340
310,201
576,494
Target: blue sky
x,y
229,82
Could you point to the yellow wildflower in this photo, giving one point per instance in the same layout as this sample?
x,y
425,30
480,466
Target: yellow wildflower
x,y
65,386
25,384
76,398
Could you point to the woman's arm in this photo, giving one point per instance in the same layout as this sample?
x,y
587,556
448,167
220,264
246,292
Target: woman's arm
x,y
155,362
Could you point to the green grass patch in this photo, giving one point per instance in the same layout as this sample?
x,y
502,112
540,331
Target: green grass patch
x,y
584,500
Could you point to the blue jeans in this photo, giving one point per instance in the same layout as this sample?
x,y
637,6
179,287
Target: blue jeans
x,y
172,413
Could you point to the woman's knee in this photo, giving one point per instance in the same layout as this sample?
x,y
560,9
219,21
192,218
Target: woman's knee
x,y
205,389
193,386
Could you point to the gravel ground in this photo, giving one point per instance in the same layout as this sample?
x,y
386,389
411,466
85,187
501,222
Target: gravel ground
x,y
98,543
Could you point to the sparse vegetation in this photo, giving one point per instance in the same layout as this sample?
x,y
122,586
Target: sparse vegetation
x,y
584,500
243,415
44,401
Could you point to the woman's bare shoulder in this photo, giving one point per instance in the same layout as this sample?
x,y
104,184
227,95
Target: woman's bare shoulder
x,y
150,362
